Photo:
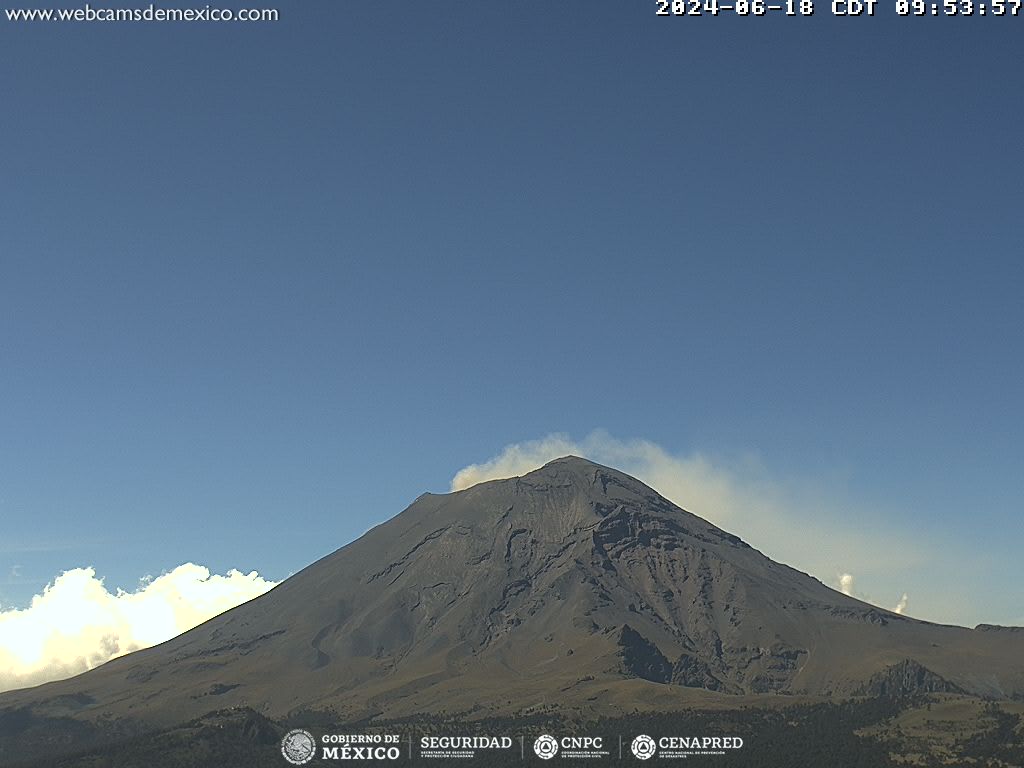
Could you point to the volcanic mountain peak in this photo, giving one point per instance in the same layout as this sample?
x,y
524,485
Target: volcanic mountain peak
x,y
586,477
581,474
585,474
576,494
565,476
562,584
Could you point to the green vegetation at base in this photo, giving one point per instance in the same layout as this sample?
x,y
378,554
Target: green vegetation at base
x,y
941,730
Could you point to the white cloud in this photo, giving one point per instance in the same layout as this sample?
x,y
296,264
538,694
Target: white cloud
x,y
791,523
77,623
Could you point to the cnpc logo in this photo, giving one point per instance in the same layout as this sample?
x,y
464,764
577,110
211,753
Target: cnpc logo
x,y
547,746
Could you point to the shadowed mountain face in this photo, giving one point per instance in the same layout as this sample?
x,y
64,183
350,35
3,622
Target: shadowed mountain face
x,y
574,585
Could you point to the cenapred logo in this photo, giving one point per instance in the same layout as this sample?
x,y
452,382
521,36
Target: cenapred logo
x,y
298,747
643,747
546,747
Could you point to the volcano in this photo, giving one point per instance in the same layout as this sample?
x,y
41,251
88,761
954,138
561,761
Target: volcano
x,y
574,585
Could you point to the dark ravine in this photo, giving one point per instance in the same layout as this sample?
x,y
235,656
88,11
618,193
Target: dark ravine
x,y
574,583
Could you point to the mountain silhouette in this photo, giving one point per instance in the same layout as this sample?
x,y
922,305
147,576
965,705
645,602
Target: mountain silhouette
x,y
574,585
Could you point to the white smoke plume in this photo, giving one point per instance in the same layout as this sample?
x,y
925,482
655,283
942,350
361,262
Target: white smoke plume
x,y
807,530
901,606
846,584
77,623
691,481
517,459
846,587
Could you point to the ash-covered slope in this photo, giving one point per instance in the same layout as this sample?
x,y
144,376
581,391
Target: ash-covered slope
x,y
574,585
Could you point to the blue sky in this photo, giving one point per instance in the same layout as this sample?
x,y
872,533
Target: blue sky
x,y
261,286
